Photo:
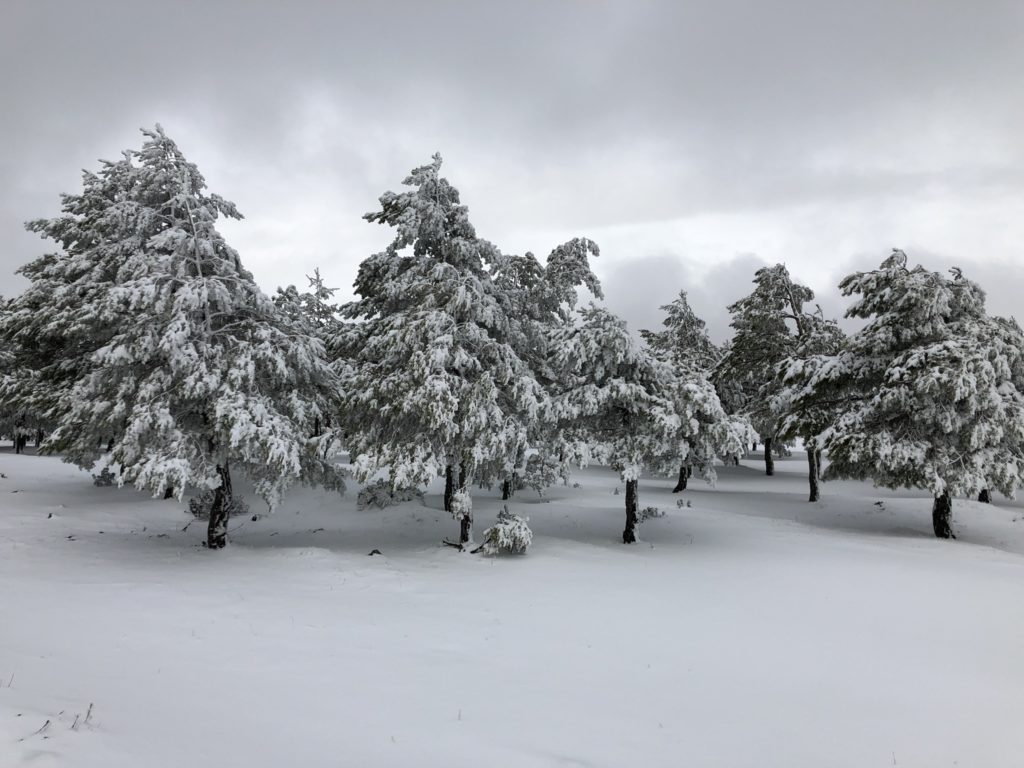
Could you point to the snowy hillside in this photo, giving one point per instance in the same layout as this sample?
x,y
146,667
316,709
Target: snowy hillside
x,y
750,629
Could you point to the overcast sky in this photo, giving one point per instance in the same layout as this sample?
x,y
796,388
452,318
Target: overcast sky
x,y
694,141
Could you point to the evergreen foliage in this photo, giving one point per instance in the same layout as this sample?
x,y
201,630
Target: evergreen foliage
x,y
927,394
435,377
616,400
162,357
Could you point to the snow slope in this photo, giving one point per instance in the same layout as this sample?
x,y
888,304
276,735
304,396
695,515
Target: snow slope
x,y
752,629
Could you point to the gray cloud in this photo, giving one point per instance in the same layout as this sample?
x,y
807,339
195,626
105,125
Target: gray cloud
x,y
677,135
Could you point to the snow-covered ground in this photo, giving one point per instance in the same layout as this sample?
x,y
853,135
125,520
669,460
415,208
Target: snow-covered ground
x,y
751,629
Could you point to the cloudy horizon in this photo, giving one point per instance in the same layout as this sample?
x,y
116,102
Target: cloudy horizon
x,y
693,144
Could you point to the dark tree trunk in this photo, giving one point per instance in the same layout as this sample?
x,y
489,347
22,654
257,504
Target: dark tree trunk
x,y
812,474
168,493
817,461
753,448
629,534
769,459
684,475
466,521
942,512
217,532
449,487
985,497
39,437
316,427
110,445
506,489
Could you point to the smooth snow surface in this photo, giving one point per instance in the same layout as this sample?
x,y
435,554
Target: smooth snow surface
x,y
753,629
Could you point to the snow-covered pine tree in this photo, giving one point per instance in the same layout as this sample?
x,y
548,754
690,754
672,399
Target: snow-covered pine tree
x,y
314,313
805,418
540,301
615,400
207,375
435,385
55,325
767,326
313,310
684,342
927,392
706,431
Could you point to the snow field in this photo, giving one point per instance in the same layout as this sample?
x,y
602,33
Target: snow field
x,y
751,629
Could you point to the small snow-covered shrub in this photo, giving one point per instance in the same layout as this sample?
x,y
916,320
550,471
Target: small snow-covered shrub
x,y
509,534
104,479
380,494
201,505
647,513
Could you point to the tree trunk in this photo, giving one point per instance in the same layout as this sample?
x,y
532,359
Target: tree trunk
x,y
506,489
168,493
769,460
217,532
753,448
942,511
985,497
817,461
466,521
812,474
684,475
449,487
629,534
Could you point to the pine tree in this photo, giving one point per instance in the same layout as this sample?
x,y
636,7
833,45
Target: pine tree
x,y
615,400
684,343
927,393
805,418
195,370
706,431
540,300
313,310
435,385
768,325
56,324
